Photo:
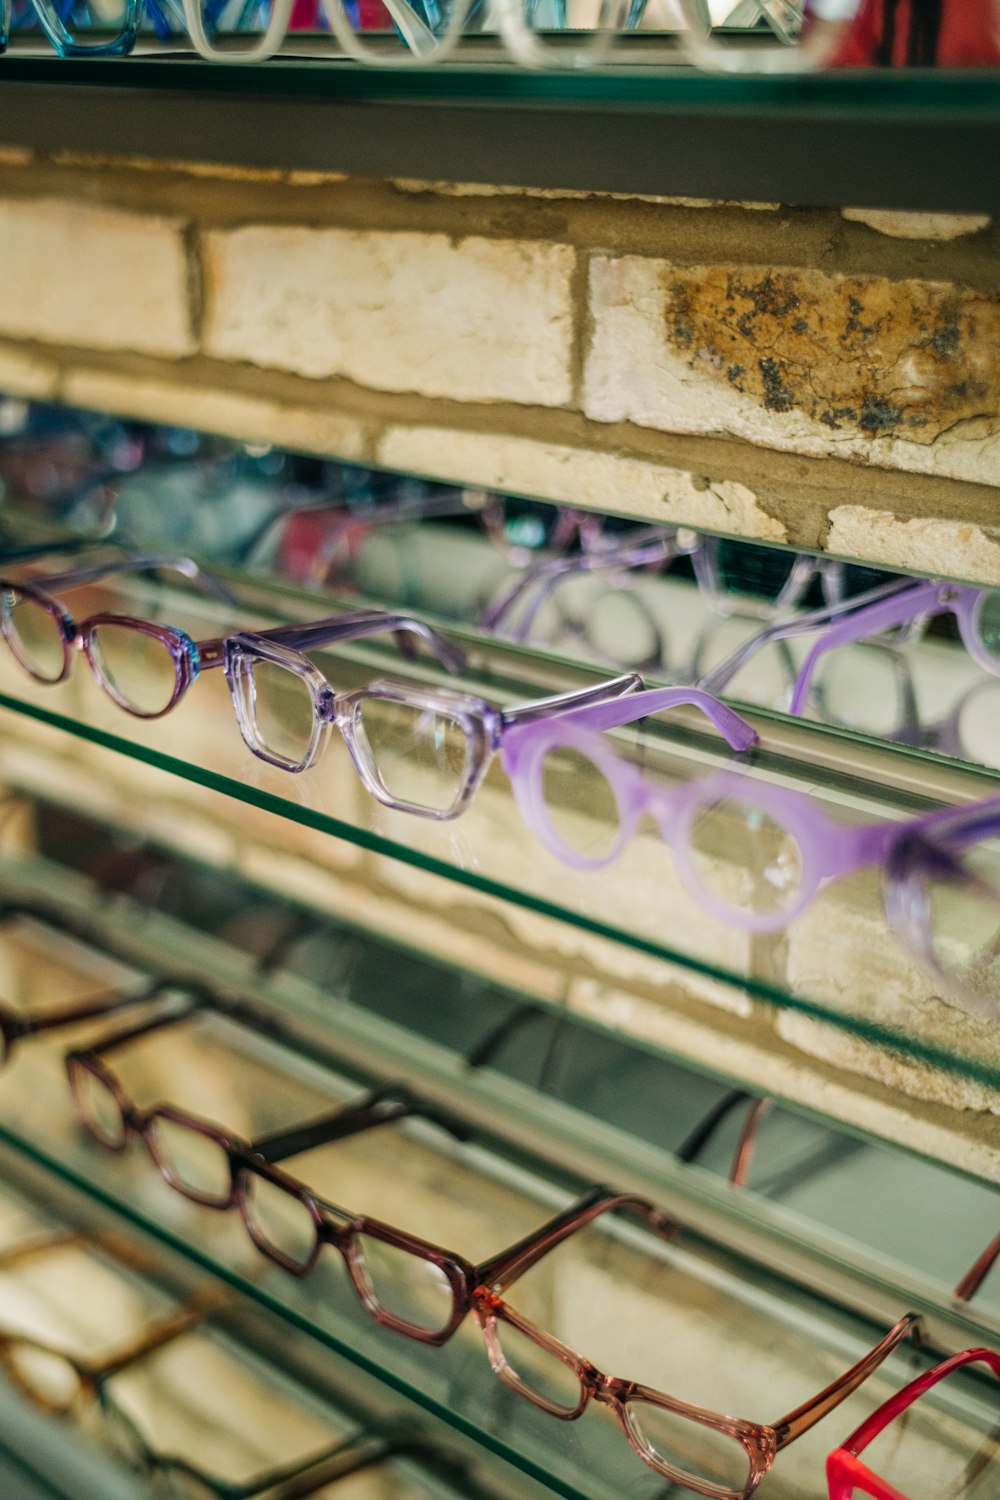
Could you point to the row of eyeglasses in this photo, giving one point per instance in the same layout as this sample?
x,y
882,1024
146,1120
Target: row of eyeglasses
x,y
425,1291
425,750
733,36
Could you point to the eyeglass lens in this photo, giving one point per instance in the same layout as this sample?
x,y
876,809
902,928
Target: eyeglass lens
x,y
33,634
139,668
947,1443
420,755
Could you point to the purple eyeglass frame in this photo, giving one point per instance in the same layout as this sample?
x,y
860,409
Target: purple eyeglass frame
x,y
484,725
928,844
891,605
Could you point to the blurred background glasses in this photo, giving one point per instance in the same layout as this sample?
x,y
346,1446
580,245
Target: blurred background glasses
x,y
92,28
905,1460
765,36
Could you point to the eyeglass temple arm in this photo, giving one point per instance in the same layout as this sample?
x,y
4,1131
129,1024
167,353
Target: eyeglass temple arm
x,y
897,1404
141,564
512,1263
352,626
359,1451
792,1426
720,676
977,1273
197,998
690,1149
737,733
163,1330
652,544
105,1004
578,698
383,1106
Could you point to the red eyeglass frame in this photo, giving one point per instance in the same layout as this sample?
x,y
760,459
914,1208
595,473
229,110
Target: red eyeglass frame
x,y
846,1474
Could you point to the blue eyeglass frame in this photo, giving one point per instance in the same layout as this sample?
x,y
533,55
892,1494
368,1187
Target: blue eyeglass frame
x,y
166,17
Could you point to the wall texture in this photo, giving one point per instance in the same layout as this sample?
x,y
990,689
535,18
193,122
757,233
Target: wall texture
x,y
826,378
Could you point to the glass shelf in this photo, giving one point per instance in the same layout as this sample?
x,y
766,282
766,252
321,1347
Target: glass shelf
x,y
765,1335
863,984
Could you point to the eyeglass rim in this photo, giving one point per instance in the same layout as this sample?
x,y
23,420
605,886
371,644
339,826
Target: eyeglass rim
x,y
59,613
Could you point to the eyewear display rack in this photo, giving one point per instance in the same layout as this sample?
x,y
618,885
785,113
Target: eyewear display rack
x,y
792,1278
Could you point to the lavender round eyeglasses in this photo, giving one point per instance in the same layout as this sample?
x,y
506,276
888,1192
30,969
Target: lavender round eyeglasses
x,y
754,854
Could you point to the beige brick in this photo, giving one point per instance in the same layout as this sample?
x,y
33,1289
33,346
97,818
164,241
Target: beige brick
x,y
578,476
954,549
902,226
97,277
480,320
251,418
903,375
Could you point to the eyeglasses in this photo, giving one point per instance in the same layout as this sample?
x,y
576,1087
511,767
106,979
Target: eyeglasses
x,y
417,750
755,854
965,1474
900,603
709,1453
56,1380
389,33
806,34
147,668
83,28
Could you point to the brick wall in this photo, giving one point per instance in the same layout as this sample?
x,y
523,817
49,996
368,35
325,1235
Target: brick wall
x,y
823,377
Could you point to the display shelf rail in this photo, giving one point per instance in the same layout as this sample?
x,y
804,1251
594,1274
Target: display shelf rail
x,y
896,140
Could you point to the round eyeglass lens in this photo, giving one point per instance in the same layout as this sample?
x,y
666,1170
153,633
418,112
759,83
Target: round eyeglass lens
x,y
34,634
96,1105
138,669
538,1371
194,1163
43,1374
406,1286
765,36
281,711
280,1224
233,27
979,724
744,859
860,688
420,755
621,630
964,919
681,1446
580,806
91,25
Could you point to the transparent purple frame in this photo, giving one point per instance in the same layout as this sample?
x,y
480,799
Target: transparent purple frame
x,y
911,852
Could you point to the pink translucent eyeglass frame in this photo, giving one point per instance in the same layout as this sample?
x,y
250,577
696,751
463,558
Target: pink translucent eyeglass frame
x,y
847,1476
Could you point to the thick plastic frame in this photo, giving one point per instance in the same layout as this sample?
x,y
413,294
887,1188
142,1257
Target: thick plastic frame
x,y
846,1474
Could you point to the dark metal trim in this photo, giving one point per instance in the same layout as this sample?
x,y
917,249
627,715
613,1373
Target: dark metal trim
x,y
901,141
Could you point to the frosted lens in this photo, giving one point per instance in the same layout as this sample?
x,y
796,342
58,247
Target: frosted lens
x,y
744,858
540,1371
34,635
979,725
418,754
46,1376
195,1163
964,917
621,630
280,1221
580,805
860,689
406,1286
98,1107
768,676
138,668
946,1446
701,1452
282,709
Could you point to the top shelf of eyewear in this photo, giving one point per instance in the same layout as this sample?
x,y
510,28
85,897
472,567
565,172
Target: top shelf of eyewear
x,y
906,138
